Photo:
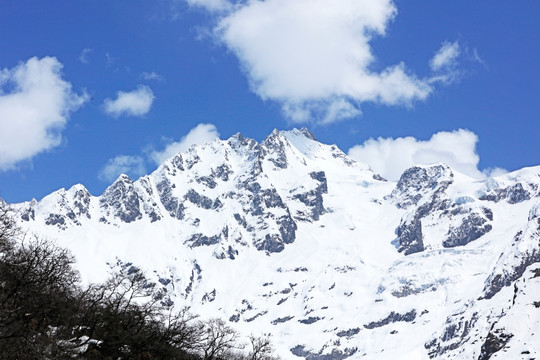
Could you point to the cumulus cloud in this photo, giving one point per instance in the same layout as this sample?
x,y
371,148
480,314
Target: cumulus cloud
x,y
390,157
446,56
133,103
200,134
35,105
133,166
314,57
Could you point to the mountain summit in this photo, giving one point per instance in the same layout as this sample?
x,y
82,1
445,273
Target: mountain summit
x,y
292,237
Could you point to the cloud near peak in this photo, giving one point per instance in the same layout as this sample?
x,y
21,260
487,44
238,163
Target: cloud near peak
x,y
200,134
391,157
122,164
136,165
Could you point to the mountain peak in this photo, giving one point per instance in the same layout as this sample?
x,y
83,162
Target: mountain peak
x,y
123,178
305,131
294,131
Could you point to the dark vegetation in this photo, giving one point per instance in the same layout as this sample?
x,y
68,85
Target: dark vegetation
x,y
45,313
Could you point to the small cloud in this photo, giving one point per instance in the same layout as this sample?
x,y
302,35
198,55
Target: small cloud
x,y
35,105
201,134
390,157
133,103
148,76
133,166
477,58
494,172
110,59
444,63
446,57
85,56
211,5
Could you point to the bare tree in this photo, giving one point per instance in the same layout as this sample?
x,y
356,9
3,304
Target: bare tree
x,y
261,348
220,341
36,285
8,228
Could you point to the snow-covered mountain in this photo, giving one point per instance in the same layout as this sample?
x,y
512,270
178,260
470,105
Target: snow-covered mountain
x,y
293,238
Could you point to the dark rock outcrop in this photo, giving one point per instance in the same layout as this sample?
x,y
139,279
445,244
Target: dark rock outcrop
x,y
456,333
472,227
410,237
121,200
392,318
300,351
418,182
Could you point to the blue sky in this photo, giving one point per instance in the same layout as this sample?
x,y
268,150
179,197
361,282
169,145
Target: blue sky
x,y
92,89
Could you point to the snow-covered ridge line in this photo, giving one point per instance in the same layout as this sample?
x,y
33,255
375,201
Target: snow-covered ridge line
x,y
292,237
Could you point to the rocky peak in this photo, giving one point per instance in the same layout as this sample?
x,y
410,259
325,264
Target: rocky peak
x,y
274,149
307,133
121,200
419,182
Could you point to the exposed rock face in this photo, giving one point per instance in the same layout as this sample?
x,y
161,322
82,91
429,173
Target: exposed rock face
x,y
274,149
455,334
81,202
494,342
121,200
424,187
410,237
525,251
301,351
200,240
313,199
392,318
202,201
472,227
513,194
422,183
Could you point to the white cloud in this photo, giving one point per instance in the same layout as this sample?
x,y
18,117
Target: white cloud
x,y
477,58
132,166
211,5
390,157
35,105
133,103
446,56
85,56
202,133
495,171
152,76
314,56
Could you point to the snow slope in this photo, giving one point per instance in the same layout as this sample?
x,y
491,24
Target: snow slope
x,y
291,237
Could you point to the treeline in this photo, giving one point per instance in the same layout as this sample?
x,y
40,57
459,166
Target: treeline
x,y
45,313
